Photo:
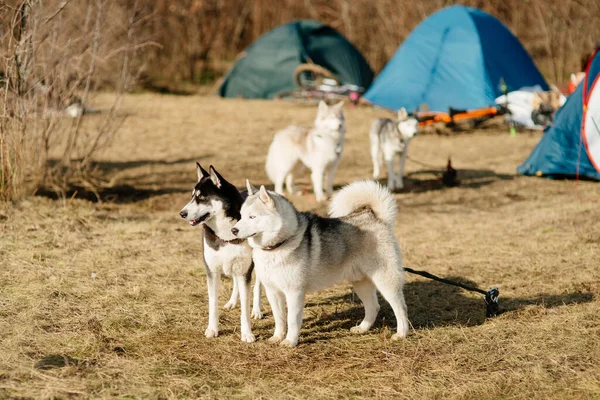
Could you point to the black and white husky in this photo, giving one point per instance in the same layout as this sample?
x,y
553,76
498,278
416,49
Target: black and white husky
x,y
216,205
389,139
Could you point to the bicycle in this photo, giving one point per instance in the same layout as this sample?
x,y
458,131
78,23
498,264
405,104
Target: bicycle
x,y
316,83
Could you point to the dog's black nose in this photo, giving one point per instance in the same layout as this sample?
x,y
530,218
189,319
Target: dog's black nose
x,y
183,213
235,231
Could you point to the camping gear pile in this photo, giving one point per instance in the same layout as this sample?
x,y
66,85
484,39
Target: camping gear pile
x,y
532,108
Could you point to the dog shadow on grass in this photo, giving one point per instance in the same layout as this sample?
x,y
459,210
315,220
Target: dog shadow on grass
x,y
430,305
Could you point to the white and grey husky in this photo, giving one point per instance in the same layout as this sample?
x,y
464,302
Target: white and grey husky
x,y
319,149
299,253
388,139
216,204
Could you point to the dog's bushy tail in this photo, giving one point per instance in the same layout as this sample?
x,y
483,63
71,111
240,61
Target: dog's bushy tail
x,y
363,194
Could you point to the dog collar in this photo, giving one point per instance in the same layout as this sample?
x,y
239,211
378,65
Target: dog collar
x,y
275,246
278,245
218,241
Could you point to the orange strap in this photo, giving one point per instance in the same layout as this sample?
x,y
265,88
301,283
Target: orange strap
x,y
430,118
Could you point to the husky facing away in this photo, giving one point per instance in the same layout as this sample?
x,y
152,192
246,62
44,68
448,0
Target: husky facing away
x,y
319,149
299,253
388,139
216,204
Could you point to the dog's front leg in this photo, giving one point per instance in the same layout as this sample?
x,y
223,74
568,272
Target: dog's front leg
x,y
295,305
375,156
289,183
213,279
277,302
244,289
399,178
234,296
331,176
256,306
390,170
317,181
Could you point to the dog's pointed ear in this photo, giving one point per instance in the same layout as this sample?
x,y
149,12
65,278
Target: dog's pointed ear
x,y
264,196
250,188
402,114
201,171
322,107
215,177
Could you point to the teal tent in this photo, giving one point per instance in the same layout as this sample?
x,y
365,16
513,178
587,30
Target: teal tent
x,y
267,66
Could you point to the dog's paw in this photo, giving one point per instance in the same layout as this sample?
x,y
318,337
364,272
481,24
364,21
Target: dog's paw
x,y
398,336
319,197
248,337
403,327
358,330
256,314
230,305
275,339
288,343
211,333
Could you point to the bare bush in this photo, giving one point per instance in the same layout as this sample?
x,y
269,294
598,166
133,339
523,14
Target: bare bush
x,y
55,55
568,30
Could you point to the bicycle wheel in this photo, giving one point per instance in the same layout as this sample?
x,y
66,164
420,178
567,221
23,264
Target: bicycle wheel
x,y
316,72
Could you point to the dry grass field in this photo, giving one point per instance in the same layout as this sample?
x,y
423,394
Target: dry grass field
x,y
109,299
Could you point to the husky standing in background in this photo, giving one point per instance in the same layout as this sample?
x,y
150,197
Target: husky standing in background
x,y
319,148
388,139
299,253
216,204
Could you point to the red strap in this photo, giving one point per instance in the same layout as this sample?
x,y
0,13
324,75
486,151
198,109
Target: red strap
x,y
587,75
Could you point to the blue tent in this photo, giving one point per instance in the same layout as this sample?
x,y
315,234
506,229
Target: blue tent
x,y
455,58
568,147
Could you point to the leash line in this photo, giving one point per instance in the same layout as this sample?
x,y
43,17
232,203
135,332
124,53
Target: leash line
x,y
491,296
422,164
443,280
